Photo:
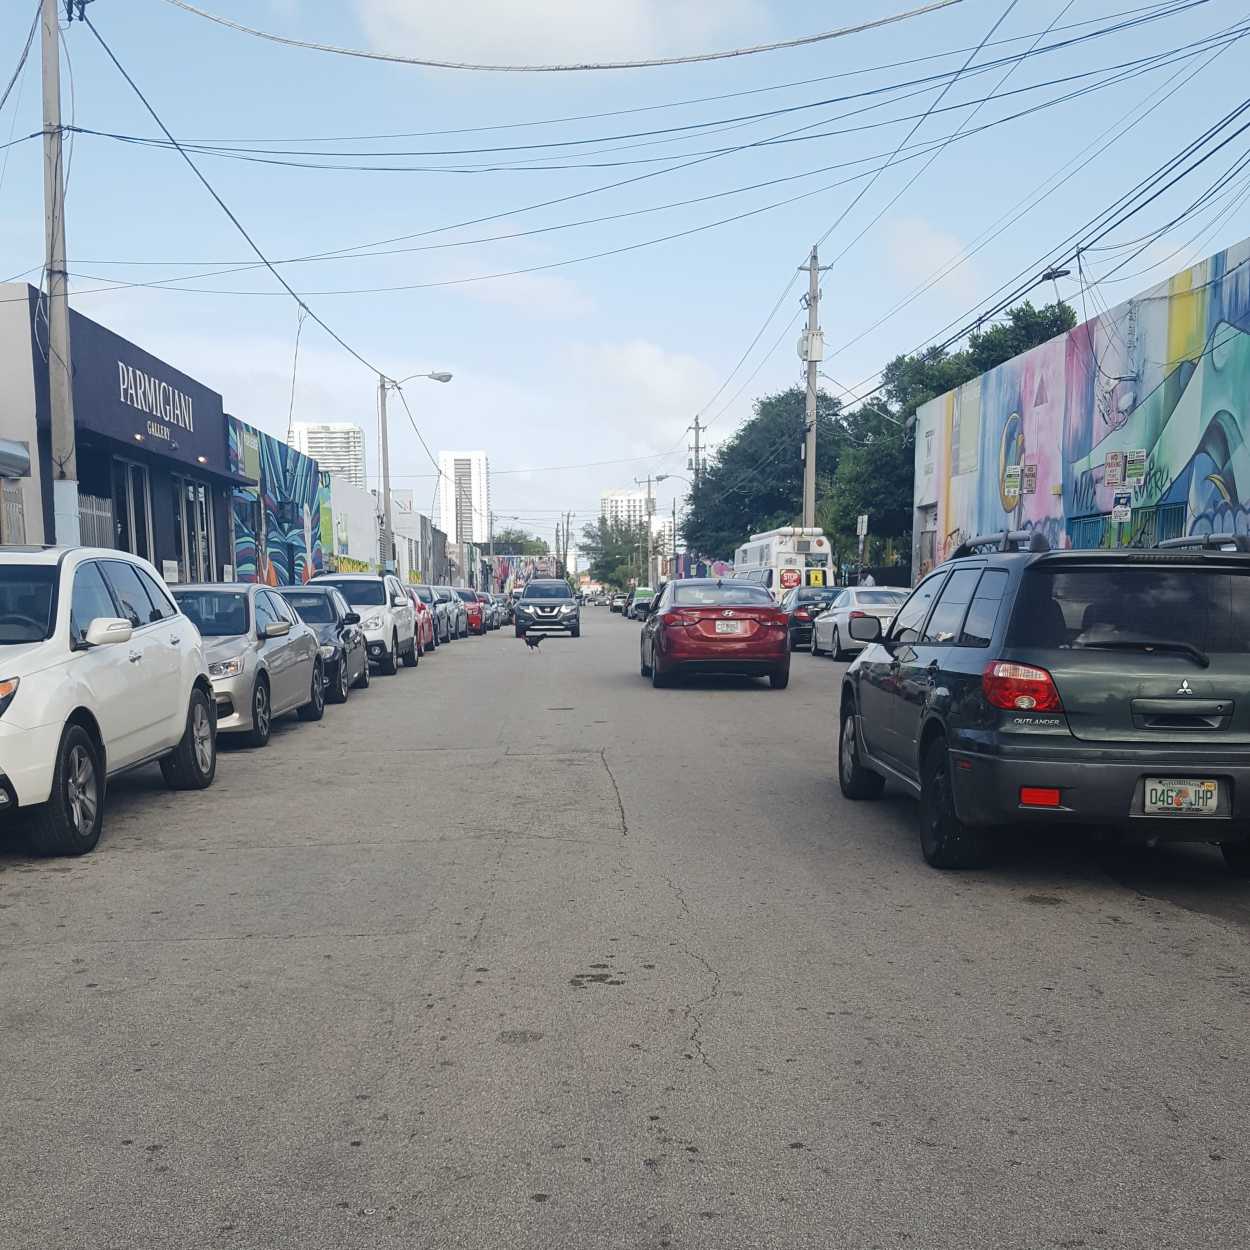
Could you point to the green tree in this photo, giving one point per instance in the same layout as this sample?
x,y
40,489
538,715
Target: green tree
x,y
512,541
754,481
613,550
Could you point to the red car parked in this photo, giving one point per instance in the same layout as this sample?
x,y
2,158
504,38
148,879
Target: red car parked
x,y
424,622
475,609
705,625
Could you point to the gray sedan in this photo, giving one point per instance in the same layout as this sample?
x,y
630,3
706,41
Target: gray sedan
x,y
831,630
262,659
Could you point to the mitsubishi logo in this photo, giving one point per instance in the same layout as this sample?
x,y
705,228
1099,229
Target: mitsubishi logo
x,y
1184,687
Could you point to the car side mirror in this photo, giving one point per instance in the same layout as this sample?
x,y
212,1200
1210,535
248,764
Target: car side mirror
x,y
398,601
277,629
864,628
105,630
351,618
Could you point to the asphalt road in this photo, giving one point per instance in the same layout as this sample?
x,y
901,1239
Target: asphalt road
x,y
515,951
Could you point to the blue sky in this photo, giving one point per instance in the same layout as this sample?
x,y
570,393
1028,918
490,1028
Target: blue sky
x,y
603,360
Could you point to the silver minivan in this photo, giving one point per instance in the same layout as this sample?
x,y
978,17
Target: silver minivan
x,y
263,660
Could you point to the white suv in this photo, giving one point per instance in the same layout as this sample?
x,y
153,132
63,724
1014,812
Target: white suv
x,y
99,673
386,615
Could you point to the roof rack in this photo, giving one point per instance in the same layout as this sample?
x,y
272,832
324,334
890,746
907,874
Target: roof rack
x,y
1005,540
1209,542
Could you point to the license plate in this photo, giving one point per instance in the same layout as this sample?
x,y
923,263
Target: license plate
x,y
728,627
1181,796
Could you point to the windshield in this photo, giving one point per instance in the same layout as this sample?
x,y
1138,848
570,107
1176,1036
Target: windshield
x,y
713,596
551,590
215,613
1088,607
469,596
26,602
314,608
424,593
367,592
880,598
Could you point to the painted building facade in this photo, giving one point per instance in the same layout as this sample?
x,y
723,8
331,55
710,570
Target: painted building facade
x,y
1128,429
277,523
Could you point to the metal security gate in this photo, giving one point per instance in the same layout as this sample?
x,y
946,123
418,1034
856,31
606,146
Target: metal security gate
x,y
1147,527
95,521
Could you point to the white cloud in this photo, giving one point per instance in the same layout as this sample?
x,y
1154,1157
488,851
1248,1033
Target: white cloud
x,y
916,250
537,293
536,31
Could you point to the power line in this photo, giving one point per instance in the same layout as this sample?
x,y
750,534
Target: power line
x,y
363,54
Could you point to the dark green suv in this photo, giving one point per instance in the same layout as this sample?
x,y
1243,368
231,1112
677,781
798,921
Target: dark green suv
x,y
1027,687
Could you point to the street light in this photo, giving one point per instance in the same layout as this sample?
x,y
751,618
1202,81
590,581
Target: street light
x,y
384,383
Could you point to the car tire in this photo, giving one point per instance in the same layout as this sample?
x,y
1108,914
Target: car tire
x,y
644,669
814,648
835,644
660,679
315,708
411,659
575,632
262,714
1236,858
69,823
779,681
854,780
340,687
945,841
193,763
389,664
362,682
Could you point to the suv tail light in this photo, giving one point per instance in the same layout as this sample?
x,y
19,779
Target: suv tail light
x,y
1020,688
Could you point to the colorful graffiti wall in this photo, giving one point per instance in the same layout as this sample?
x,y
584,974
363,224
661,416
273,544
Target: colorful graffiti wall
x,y
1130,428
278,523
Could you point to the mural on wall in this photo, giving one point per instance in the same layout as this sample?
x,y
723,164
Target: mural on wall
x,y
278,523
1130,428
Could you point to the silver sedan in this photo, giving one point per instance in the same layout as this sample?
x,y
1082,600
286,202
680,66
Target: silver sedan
x,y
831,630
262,659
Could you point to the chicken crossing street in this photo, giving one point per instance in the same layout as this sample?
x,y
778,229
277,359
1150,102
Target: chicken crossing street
x,y
513,950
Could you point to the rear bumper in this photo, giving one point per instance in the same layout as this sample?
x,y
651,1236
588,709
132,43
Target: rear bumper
x,y
1105,791
727,668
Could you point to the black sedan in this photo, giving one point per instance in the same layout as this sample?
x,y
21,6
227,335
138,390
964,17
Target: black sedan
x,y
344,653
803,605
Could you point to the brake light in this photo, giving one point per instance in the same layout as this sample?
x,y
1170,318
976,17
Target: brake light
x,y
1020,688
1039,796
676,618
779,618
802,614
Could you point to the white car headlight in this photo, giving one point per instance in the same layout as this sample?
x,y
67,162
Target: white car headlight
x,y
226,668
372,622
327,651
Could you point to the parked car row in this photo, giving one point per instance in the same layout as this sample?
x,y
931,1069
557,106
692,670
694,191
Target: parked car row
x,y
105,669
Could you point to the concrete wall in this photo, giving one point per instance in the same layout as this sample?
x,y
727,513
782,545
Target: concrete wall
x,y
17,411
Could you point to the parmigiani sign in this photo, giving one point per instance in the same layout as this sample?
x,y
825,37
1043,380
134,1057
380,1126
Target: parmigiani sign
x,y
154,397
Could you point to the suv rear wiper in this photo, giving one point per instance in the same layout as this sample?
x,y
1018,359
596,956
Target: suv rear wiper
x,y
1152,644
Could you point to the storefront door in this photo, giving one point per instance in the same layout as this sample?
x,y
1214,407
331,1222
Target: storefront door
x,y
132,509
193,530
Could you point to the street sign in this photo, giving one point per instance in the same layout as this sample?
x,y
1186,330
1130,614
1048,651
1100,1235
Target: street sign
x,y
790,578
1011,481
1135,467
1028,483
1122,508
1113,469
861,524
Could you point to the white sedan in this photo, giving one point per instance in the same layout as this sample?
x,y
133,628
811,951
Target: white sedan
x,y
831,630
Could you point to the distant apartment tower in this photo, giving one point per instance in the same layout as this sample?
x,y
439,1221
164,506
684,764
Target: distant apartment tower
x,y
627,506
464,496
338,447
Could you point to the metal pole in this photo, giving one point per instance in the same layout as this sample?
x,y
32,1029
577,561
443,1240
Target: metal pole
x,y
388,543
60,378
698,459
813,360
673,553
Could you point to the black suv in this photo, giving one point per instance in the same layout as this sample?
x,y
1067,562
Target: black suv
x,y
547,603
1023,686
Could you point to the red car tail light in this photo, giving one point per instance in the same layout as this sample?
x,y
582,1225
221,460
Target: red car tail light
x,y
802,614
778,618
1020,688
1039,796
677,618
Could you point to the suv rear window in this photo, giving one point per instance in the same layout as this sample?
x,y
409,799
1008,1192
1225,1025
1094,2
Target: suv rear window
x,y
1207,608
367,593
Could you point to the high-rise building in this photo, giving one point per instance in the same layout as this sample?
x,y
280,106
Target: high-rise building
x,y
627,506
464,496
338,447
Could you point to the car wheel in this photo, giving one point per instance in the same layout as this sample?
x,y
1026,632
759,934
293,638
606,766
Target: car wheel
x,y
815,649
659,679
1236,858
362,682
69,823
262,714
575,632
389,665
854,780
315,708
644,669
411,659
193,763
779,681
945,840
340,687
835,645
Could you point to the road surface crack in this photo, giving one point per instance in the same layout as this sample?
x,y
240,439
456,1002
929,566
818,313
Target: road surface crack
x,y
616,789
692,1009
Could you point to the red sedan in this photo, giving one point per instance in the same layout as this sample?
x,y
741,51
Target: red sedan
x,y
705,625
476,611
424,622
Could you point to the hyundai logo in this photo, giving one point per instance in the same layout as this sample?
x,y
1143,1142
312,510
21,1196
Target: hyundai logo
x,y
727,612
